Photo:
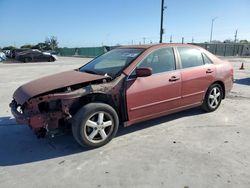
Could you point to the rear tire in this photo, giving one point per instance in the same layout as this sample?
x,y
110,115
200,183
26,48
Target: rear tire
x,y
94,125
212,98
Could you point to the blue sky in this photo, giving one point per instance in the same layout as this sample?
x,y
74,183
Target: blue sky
x,y
79,23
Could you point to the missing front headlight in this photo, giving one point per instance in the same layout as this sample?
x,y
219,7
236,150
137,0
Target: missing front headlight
x,y
49,106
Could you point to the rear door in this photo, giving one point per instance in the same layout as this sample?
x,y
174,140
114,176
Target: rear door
x,y
36,55
196,75
156,94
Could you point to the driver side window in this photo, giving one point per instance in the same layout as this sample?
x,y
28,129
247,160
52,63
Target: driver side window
x,y
161,60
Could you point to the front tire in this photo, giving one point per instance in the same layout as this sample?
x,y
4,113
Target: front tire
x,y
51,59
95,124
212,98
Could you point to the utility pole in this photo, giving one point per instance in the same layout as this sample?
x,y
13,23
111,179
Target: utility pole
x,y
162,13
182,40
212,27
192,39
171,39
235,35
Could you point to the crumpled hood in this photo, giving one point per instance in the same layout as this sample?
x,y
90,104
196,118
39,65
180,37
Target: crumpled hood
x,y
53,82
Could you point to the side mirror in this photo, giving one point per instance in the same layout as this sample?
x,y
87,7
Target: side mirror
x,y
143,71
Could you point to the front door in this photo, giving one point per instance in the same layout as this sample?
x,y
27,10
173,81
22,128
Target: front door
x,y
156,94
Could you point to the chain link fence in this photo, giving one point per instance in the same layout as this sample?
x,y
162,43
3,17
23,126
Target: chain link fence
x,y
221,49
83,52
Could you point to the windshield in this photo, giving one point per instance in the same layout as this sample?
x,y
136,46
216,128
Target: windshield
x,y
112,63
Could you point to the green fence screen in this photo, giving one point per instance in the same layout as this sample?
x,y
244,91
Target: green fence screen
x,y
221,49
84,52
91,52
67,51
225,49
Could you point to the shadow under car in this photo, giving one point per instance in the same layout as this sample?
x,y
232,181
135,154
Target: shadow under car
x,y
19,145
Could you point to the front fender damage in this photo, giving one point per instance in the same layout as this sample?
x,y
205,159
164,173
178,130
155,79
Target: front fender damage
x,y
50,113
45,114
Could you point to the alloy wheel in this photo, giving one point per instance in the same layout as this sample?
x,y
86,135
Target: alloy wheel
x,y
214,98
98,127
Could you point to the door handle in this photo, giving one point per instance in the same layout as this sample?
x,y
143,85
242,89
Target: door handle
x,y
173,79
209,71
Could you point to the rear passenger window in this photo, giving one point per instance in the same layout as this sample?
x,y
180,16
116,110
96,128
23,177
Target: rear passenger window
x,y
161,60
206,59
190,57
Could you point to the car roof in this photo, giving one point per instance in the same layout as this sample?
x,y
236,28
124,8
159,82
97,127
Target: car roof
x,y
147,46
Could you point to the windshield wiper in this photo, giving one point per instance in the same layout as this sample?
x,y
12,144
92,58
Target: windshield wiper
x,y
107,75
93,72
90,71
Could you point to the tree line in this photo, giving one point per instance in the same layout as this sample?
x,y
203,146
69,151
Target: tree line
x,y
50,43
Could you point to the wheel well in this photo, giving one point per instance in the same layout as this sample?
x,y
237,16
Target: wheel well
x,y
95,97
222,86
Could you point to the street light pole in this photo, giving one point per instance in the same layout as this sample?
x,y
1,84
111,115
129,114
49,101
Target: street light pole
x,y
235,36
212,26
161,29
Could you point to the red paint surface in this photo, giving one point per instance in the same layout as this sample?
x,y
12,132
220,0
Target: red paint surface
x,y
155,96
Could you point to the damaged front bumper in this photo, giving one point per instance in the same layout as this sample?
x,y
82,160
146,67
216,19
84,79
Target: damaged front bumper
x,y
32,114
19,116
35,121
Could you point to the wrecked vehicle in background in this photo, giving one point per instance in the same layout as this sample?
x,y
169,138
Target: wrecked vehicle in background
x,y
127,85
35,56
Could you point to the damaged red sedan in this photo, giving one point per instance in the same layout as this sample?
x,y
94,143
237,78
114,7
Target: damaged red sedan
x,y
127,85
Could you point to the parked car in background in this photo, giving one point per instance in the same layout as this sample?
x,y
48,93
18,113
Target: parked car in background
x,y
127,85
2,56
35,56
